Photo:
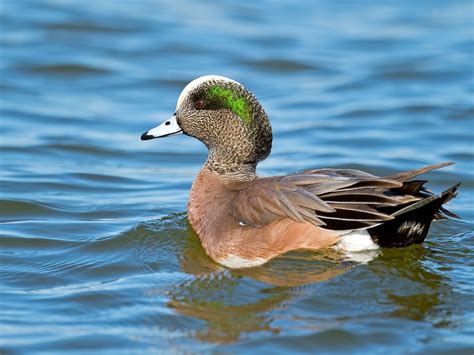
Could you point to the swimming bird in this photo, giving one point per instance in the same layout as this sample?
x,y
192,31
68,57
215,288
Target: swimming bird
x,y
243,220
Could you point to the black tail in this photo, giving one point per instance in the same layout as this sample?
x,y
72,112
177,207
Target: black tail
x,y
411,223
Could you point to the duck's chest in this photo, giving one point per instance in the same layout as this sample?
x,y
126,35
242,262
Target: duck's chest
x,y
208,204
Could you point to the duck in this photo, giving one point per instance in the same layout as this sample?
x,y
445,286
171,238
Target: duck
x,y
243,220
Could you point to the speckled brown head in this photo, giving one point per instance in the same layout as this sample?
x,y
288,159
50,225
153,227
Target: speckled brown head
x,y
227,118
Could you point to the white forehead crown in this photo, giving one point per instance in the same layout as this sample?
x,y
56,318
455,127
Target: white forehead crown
x,y
196,82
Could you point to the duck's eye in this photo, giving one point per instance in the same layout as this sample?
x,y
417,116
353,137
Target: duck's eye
x,y
199,104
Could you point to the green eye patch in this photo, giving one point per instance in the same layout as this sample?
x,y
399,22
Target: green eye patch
x,y
232,101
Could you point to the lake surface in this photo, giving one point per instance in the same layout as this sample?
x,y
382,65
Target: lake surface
x,y
96,252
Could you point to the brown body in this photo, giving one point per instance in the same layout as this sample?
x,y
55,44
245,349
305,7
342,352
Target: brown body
x,y
228,242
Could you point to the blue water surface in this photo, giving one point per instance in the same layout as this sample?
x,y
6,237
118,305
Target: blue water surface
x,y
96,253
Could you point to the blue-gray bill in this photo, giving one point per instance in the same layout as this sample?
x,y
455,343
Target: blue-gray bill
x,y
168,128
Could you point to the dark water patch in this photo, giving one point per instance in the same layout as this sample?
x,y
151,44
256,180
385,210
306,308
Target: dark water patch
x,y
281,41
53,188
322,340
19,245
354,83
6,88
156,160
156,242
279,65
373,142
421,108
90,342
364,113
57,154
462,113
440,136
376,44
410,73
89,27
67,229
28,209
181,48
14,211
111,263
103,178
26,115
80,149
461,156
172,83
26,276
63,69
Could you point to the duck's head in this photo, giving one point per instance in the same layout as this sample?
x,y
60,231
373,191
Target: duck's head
x,y
227,118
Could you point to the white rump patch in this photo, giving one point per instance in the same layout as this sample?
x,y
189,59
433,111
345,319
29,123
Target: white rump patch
x,y
196,82
356,241
358,246
237,262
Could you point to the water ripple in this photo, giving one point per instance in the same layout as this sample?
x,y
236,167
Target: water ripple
x,y
96,251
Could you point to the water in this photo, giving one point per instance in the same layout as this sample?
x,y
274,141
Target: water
x,y
96,251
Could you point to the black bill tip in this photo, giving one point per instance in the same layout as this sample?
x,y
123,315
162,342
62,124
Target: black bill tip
x,y
145,136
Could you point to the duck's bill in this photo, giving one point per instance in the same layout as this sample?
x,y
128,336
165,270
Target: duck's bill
x,y
167,128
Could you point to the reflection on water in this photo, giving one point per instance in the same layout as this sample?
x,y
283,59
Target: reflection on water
x,y
95,248
216,294
233,303
425,290
225,317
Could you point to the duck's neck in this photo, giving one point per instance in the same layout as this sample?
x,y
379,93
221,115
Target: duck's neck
x,y
230,167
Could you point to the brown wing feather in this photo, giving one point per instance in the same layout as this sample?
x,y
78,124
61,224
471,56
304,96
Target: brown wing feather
x,y
301,197
266,200
338,199
406,175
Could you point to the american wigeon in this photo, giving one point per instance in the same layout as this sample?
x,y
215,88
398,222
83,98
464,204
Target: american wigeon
x,y
243,220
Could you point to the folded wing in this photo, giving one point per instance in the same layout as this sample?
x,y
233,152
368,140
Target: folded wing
x,y
337,199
